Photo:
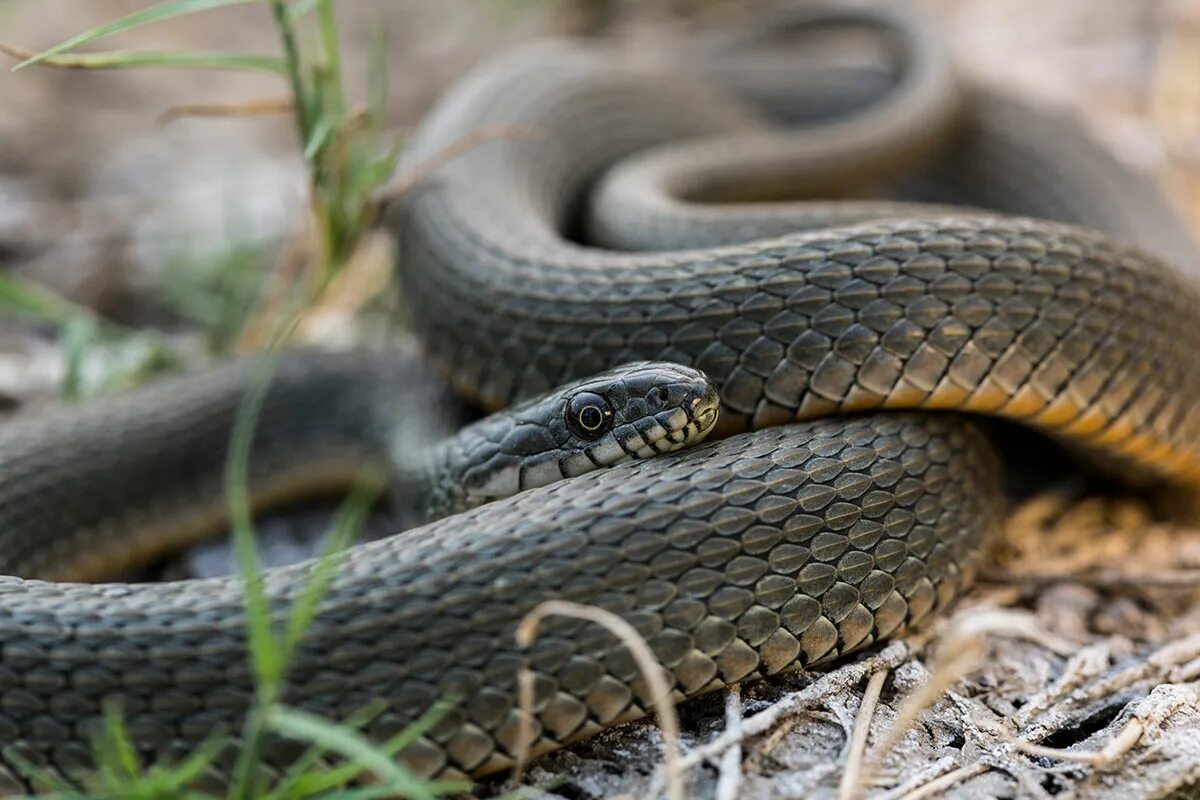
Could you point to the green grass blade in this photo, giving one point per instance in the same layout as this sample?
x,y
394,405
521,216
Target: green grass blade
x,y
438,788
170,780
319,137
301,96
39,777
75,339
27,299
265,657
327,25
116,756
293,784
127,59
377,78
247,781
420,726
350,744
264,654
316,783
300,8
156,13
346,528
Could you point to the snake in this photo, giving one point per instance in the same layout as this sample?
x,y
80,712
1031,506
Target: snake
x,y
655,248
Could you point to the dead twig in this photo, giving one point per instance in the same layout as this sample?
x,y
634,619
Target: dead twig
x,y
1124,741
838,680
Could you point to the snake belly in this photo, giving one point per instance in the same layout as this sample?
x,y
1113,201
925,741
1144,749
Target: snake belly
x,y
793,540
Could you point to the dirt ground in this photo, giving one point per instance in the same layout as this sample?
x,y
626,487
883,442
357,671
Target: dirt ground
x,y
1073,670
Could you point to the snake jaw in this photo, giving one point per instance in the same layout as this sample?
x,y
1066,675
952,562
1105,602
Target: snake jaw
x,y
686,422
706,410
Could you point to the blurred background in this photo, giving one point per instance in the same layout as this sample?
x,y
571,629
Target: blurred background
x,y
99,198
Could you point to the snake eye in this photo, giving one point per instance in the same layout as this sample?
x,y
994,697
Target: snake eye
x,y
589,415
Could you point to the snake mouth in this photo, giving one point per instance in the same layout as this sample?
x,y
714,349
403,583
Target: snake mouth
x,y
705,411
685,425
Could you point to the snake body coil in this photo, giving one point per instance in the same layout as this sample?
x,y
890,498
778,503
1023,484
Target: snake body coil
x,y
771,549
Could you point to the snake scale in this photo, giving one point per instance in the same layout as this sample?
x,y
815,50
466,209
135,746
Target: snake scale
x,y
655,212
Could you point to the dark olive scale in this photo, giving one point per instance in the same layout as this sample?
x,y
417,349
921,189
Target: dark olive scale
x,y
769,550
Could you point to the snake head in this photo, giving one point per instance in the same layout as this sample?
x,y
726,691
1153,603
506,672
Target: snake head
x,y
634,411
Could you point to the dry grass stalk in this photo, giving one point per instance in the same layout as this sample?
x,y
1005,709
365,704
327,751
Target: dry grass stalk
x,y
958,655
944,782
265,106
293,259
298,253
459,147
851,784
643,656
524,724
366,273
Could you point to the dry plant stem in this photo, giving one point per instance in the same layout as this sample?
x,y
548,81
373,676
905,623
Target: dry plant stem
x,y
984,621
1186,673
776,738
914,778
299,250
405,183
21,54
251,108
358,120
890,657
1121,744
1159,664
364,276
960,654
296,255
729,780
525,724
851,785
1090,662
651,670
965,644
944,782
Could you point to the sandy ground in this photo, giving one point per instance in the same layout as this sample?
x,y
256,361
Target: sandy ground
x,y
1063,646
